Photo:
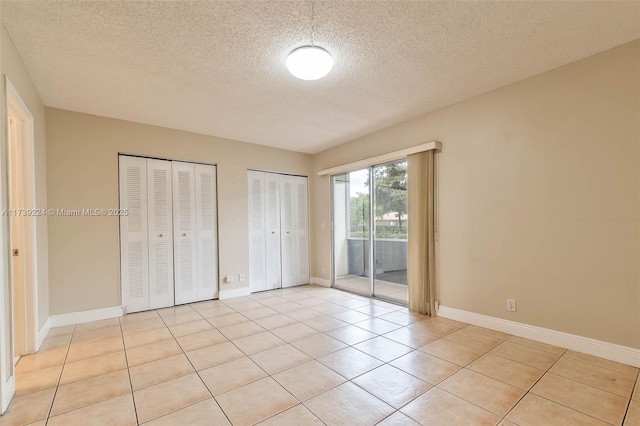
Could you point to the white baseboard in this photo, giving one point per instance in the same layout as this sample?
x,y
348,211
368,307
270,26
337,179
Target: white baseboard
x,y
320,281
236,292
85,316
610,351
42,333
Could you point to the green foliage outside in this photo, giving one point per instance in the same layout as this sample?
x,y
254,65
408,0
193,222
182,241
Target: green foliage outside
x,y
390,196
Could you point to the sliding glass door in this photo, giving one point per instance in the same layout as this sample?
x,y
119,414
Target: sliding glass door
x,y
391,224
370,231
351,225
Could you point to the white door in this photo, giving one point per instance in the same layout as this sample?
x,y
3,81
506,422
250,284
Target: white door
x,y
134,268
7,369
301,211
17,239
257,248
288,230
160,225
206,225
272,228
184,231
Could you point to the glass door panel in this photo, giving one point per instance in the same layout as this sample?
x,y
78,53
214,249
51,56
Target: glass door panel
x,y
351,231
390,236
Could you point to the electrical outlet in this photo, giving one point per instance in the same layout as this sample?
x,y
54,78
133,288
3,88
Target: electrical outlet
x,y
229,279
511,305
241,277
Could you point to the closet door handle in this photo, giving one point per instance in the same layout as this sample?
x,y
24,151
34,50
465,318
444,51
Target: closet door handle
x,y
273,232
184,234
160,235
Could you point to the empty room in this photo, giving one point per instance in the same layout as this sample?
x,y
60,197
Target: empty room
x,y
319,213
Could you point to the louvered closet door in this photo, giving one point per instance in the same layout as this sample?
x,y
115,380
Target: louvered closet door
x,y
288,230
272,222
206,221
302,231
160,224
134,267
184,232
257,248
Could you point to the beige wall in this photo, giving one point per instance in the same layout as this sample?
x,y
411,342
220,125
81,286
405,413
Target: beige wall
x,y
15,71
539,188
82,162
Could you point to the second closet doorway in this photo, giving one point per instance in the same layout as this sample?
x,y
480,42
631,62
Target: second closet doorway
x,y
278,231
168,227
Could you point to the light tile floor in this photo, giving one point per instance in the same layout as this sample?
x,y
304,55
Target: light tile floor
x,y
311,355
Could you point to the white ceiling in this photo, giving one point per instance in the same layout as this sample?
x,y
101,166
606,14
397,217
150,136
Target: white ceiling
x,y
218,67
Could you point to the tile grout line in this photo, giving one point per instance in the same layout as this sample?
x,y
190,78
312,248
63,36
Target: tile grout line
x,y
269,375
433,385
124,349
198,372
100,375
185,355
64,363
528,391
126,360
312,359
456,372
293,396
324,300
626,411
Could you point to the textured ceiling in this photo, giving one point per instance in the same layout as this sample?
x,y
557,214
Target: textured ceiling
x,y
218,67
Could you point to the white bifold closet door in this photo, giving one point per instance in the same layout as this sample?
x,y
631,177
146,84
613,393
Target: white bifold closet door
x,y
278,231
134,238
301,211
184,232
160,229
288,236
257,232
295,230
194,229
206,232
169,238
272,237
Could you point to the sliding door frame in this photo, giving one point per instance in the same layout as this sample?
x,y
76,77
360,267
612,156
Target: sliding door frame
x,y
372,233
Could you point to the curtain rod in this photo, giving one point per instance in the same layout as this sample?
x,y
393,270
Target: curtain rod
x,y
380,159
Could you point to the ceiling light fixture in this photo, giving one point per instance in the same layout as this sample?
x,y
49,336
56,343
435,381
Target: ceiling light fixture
x,y
310,62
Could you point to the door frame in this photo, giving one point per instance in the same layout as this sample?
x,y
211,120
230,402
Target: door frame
x,y
17,108
371,242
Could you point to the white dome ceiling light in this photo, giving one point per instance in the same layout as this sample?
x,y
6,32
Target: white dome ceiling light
x,y
309,62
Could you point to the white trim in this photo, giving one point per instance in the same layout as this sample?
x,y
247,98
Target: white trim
x,y
8,396
17,106
320,281
234,292
42,333
381,159
85,316
610,351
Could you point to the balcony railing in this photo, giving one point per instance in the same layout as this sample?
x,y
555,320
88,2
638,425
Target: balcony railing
x,y
391,255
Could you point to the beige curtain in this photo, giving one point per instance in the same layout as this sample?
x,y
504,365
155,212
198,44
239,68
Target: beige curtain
x,y
421,256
